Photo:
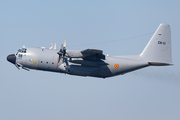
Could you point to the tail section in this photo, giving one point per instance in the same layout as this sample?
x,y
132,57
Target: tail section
x,y
158,50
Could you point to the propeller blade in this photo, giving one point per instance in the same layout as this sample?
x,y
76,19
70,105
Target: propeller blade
x,y
17,66
66,61
25,68
64,43
51,47
64,48
60,53
61,47
54,46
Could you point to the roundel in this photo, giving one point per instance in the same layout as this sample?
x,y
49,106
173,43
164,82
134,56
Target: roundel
x,y
116,66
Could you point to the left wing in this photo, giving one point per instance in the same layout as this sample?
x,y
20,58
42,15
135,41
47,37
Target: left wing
x,y
93,54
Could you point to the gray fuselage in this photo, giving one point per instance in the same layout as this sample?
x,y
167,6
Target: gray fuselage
x,y
48,60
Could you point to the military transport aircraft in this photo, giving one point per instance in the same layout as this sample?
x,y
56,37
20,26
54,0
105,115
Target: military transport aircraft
x,y
92,62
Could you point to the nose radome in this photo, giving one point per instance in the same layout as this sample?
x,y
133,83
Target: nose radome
x,y
11,58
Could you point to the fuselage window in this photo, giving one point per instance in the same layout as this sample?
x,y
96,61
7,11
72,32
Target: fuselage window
x,y
47,62
20,55
52,63
41,61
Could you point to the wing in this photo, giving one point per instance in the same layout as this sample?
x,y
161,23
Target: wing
x,y
93,54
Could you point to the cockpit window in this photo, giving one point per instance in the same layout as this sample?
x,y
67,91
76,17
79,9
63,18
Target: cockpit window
x,y
23,50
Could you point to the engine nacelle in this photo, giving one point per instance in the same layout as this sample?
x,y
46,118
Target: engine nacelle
x,y
74,53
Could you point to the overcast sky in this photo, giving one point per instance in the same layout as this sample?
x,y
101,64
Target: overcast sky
x,y
114,26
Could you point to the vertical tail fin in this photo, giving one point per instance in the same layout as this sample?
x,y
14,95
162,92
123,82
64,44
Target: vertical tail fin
x,y
158,50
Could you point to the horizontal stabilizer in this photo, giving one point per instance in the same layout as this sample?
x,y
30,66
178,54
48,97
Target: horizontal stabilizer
x,y
158,64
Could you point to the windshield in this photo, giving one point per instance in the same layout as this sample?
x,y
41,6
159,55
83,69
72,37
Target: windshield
x,y
22,50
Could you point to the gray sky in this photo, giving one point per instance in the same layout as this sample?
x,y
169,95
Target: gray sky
x,y
147,94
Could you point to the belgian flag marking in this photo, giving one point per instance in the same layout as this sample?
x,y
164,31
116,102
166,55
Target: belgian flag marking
x,y
116,66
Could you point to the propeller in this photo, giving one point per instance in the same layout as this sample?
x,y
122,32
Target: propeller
x,y
62,53
19,65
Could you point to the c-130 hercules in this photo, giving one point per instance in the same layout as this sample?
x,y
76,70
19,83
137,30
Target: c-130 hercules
x,y
92,62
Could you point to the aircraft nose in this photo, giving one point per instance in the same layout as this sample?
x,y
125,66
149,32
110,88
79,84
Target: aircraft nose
x,y
11,58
